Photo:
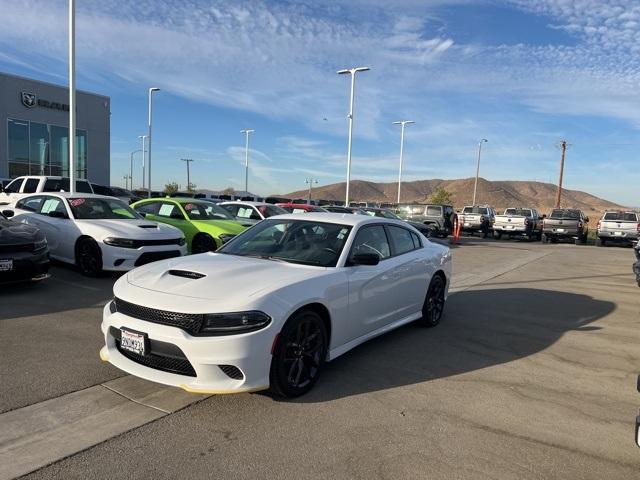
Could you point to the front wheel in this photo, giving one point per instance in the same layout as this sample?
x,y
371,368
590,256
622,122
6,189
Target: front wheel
x,y
203,243
299,355
434,302
89,257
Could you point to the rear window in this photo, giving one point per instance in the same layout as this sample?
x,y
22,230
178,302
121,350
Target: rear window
x,y
621,216
31,185
62,184
522,212
479,210
565,214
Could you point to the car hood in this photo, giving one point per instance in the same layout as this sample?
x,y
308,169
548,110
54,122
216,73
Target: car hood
x,y
17,233
221,226
223,276
133,229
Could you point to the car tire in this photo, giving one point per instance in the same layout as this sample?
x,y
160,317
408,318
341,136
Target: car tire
x,y
89,257
497,235
434,302
202,243
600,242
299,355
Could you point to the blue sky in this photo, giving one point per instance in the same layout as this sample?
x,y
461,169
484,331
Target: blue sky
x,y
521,73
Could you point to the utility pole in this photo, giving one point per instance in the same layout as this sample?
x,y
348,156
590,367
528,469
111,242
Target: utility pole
x,y
310,182
188,161
72,96
475,185
402,124
563,146
126,182
247,132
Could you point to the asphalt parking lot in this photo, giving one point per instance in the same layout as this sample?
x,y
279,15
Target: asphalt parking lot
x,y
531,375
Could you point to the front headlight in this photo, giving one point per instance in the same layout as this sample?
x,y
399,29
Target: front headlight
x,y
182,241
113,308
39,245
120,242
232,323
225,237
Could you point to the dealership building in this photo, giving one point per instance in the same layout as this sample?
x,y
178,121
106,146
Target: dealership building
x,y
35,118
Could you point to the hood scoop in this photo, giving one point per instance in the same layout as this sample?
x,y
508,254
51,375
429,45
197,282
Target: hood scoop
x,y
148,226
186,274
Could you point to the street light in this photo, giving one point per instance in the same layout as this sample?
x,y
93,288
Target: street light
x,y
402,124
131,166
151,90
246,161
352,72
143,137
72,96
126,185
310,182
475,185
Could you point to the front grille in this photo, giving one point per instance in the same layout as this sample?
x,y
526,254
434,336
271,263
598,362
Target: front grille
x,y
232,371
151,243
23,247
149,257
190,322
181,366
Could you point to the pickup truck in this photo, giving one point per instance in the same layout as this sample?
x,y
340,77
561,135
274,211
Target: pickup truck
x,y
565,223
618,227
477,218
522,222
23,186
438,217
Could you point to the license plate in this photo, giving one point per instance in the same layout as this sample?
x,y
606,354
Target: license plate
x,y
560,230
133,341
6,265
510,227
617,234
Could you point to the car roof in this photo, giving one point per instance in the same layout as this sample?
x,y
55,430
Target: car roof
x,y
339,218
246,202
68,195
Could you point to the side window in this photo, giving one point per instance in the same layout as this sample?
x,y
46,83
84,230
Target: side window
x,y
31,204
52,204
402,240
147,208
14,187
232,209
247,212
416,240
31,185
371,239
83,187
170,210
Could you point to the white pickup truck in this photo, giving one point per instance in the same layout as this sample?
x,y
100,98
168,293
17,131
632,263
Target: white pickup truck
x,y
23,186
516,221
618,227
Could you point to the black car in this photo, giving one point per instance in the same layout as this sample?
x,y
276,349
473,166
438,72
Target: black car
x,y
24,253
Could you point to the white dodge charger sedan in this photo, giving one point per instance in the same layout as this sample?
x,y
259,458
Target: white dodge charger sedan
x,y
270,307
98,233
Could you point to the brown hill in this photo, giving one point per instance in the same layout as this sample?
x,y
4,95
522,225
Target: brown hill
x,y
500,194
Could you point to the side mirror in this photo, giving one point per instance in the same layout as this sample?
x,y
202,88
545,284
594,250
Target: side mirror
x,y
8,213
365,259
57,214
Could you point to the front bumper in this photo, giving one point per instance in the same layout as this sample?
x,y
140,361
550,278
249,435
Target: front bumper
x,y
26,266
250,353
120,259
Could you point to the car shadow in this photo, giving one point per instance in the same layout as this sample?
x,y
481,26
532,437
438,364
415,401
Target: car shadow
x,y
472,335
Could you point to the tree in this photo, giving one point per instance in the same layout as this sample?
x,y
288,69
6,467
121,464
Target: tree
x,y
171,188
440,195
229,191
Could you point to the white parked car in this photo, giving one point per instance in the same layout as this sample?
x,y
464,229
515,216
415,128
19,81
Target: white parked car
x,y
23,186
252,212
272,305
98,233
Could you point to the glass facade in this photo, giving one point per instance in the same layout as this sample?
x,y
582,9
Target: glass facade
x,y
40,149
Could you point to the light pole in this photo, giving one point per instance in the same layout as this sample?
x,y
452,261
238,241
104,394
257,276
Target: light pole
x,y
151,90
143,137
126,185
188,161
310,182
402,124
246,161
72,96
352,72
475,185
131,165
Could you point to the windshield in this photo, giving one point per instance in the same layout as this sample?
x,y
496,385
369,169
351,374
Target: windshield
x,y
565,214
271,210
294,241
521,212
621,216
101,209
206,211
480,210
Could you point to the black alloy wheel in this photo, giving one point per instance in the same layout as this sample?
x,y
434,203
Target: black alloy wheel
x,y
433,306
202,243
299,355
89,257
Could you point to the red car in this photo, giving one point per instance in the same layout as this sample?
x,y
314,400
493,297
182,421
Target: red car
x,y
300,207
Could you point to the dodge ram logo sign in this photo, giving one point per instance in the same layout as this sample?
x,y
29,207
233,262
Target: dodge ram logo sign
x,y
28,99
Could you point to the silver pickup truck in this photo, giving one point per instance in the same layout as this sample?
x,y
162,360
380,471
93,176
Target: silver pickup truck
x,y
618,227
521,222
477,218
566,224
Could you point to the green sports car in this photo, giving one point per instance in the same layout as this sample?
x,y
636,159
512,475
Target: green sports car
x,y
205,225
